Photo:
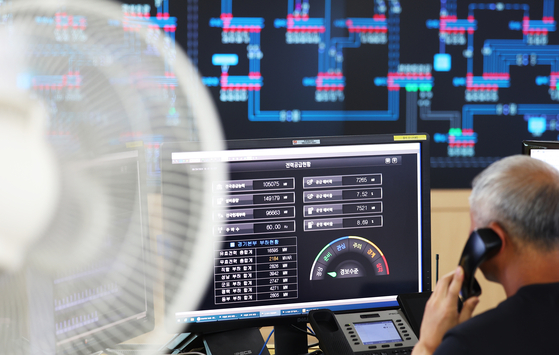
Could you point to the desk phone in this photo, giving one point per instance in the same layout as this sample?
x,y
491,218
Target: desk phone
x,y
374,332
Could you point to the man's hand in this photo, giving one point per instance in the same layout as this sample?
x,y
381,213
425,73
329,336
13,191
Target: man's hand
x,y
441,312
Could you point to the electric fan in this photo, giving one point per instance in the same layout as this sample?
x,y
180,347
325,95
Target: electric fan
x,y
84,85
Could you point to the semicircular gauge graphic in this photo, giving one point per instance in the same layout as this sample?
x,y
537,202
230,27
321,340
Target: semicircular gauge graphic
x,y
347,257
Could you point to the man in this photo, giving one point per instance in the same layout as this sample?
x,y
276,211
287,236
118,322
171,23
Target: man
x,y
517,197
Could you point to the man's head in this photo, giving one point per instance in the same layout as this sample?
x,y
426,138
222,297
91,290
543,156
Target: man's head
x,y
521,194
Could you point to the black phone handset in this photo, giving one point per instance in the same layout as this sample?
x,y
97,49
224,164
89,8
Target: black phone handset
x,y
482,244
331,336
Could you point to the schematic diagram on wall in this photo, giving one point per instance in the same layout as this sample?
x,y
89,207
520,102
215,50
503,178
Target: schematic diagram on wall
x,y
478,76
440,66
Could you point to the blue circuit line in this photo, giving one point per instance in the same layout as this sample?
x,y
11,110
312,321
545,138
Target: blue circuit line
x,y
331,81
350,42
470,61
340,43
254,63
353,41
471,8
239,21
451,7
550,27
442,43
392,114
504,52
493,6
468,112
327,21
243,79
360,22
324,58
393,24
548,8
254,113
459,23
226,6
538,109
309,22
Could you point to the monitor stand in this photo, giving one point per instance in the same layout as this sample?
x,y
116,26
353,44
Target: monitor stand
x,y
290,339
238,341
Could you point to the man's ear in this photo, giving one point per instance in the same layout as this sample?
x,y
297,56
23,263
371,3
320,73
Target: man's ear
x,y
503,235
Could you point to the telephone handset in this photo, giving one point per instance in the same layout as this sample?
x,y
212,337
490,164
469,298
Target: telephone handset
x,y
482,244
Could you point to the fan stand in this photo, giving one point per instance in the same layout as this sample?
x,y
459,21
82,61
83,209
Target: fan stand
x,y
290,339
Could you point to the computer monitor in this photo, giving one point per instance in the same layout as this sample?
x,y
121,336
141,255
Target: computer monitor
x,y
308,223
547,151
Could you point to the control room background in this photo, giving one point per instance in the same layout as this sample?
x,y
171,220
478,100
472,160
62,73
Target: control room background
x,y
478,76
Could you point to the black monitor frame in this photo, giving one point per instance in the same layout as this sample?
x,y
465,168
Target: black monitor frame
x,y
300,320
528,145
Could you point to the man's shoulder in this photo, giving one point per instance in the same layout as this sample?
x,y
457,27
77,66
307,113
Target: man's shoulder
x,y
534,298
529,302
486,321
509,320
468,337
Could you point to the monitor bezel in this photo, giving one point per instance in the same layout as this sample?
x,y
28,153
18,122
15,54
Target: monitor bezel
x,y
528,145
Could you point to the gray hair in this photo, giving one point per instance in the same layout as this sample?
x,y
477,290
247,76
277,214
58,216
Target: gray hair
x,y
522,195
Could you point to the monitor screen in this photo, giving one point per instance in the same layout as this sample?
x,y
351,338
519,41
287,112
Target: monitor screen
x,y
323,222
548,151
